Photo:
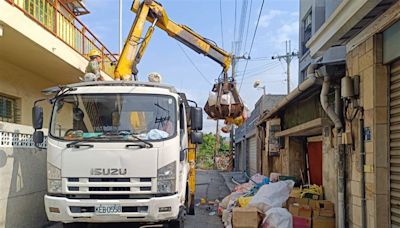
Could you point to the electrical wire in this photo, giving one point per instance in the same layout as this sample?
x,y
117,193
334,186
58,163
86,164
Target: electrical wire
x,y
259,67
248,25
234,27
252,42
260,72
194,65
221,23
242,25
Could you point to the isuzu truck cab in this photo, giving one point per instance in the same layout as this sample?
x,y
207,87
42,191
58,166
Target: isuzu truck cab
x,y
119,151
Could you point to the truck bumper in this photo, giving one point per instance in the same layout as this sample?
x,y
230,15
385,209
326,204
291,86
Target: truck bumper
x,y
59,209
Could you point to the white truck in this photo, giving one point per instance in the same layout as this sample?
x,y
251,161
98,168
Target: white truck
x,y
119,151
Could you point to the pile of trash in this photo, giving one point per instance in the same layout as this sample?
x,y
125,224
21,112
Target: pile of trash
x,y
258,201
224,162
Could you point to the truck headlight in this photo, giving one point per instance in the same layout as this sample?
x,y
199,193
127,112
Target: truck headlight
x,y
166,178
53,179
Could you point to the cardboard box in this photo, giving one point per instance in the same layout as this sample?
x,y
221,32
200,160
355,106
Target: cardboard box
x,y
322,208
304,211
323,222
321,204
300,222
292,200
324,213
248,217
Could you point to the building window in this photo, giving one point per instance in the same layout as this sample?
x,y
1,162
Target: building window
x,y
307,26
8,109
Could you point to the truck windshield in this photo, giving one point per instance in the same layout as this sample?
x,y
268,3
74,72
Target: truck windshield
x,y
115,117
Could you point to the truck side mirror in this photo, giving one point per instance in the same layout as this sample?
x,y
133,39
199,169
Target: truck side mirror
x,y
37,117
38,137
196,118
196,137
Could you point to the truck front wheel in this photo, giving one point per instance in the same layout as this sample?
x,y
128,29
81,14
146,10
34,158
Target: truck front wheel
x,y
180,221
189,201
75,225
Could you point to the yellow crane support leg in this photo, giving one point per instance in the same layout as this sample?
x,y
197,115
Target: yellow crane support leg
x,y
192,177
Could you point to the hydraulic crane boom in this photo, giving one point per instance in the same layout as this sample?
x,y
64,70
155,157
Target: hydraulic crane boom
x,y
135,46
153,12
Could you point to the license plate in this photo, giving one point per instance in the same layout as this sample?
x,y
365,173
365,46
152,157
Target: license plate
x,y
108,209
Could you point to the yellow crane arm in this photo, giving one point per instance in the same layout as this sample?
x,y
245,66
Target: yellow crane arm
x,y
125,66
182,33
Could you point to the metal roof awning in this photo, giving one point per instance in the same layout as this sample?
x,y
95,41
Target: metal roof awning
x,y
310,128
304,87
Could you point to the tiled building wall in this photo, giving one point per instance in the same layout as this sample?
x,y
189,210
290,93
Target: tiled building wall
x,y
366,60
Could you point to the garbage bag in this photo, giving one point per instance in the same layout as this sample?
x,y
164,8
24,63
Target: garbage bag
x,y
244,200
274,177
224,203
258,178
278,218
272,195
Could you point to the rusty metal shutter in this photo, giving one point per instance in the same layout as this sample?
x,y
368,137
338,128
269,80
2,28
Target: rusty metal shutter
x,y
252,145
395,145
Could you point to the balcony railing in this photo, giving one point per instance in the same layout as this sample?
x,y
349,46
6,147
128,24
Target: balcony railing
x,y
58,19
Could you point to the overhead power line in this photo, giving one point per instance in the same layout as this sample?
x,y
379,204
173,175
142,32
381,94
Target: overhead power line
x,y
242,25
252,42
194,65
248,25
234,27
259,72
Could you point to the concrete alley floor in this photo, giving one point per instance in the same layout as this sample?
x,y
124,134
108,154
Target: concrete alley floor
x,y
209,185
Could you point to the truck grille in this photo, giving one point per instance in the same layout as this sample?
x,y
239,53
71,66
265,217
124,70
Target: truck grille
x,y
75,185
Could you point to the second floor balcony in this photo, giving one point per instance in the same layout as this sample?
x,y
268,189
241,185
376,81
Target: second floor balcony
x,y
59,17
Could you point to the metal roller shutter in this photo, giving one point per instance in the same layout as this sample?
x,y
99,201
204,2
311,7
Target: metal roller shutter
x,y
395,144
252,145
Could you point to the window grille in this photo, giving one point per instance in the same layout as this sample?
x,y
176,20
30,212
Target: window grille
x,y
9,111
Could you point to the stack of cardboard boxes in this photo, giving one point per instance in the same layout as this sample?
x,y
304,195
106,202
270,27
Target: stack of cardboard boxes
x,y
311,213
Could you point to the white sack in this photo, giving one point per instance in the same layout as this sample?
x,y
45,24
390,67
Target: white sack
x,y
278,218
272,195
212,99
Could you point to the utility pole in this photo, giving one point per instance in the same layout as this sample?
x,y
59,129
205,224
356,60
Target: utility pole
x,y
217,144
288,59
232,131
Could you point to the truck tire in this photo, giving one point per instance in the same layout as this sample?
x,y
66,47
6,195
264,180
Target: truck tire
x,y
75,225
180,221
191,205
189,202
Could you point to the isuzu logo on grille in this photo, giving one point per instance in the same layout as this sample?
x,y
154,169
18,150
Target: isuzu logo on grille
x,y
107,171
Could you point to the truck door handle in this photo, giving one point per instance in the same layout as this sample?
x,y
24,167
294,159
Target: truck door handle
x,y
136,145
80,145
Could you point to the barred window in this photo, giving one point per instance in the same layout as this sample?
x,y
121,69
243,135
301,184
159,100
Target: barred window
x,y
8,109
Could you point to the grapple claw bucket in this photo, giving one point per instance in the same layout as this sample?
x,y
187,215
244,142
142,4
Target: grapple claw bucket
x,y
224,101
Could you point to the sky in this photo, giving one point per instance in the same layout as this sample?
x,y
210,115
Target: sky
x,y
279,22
